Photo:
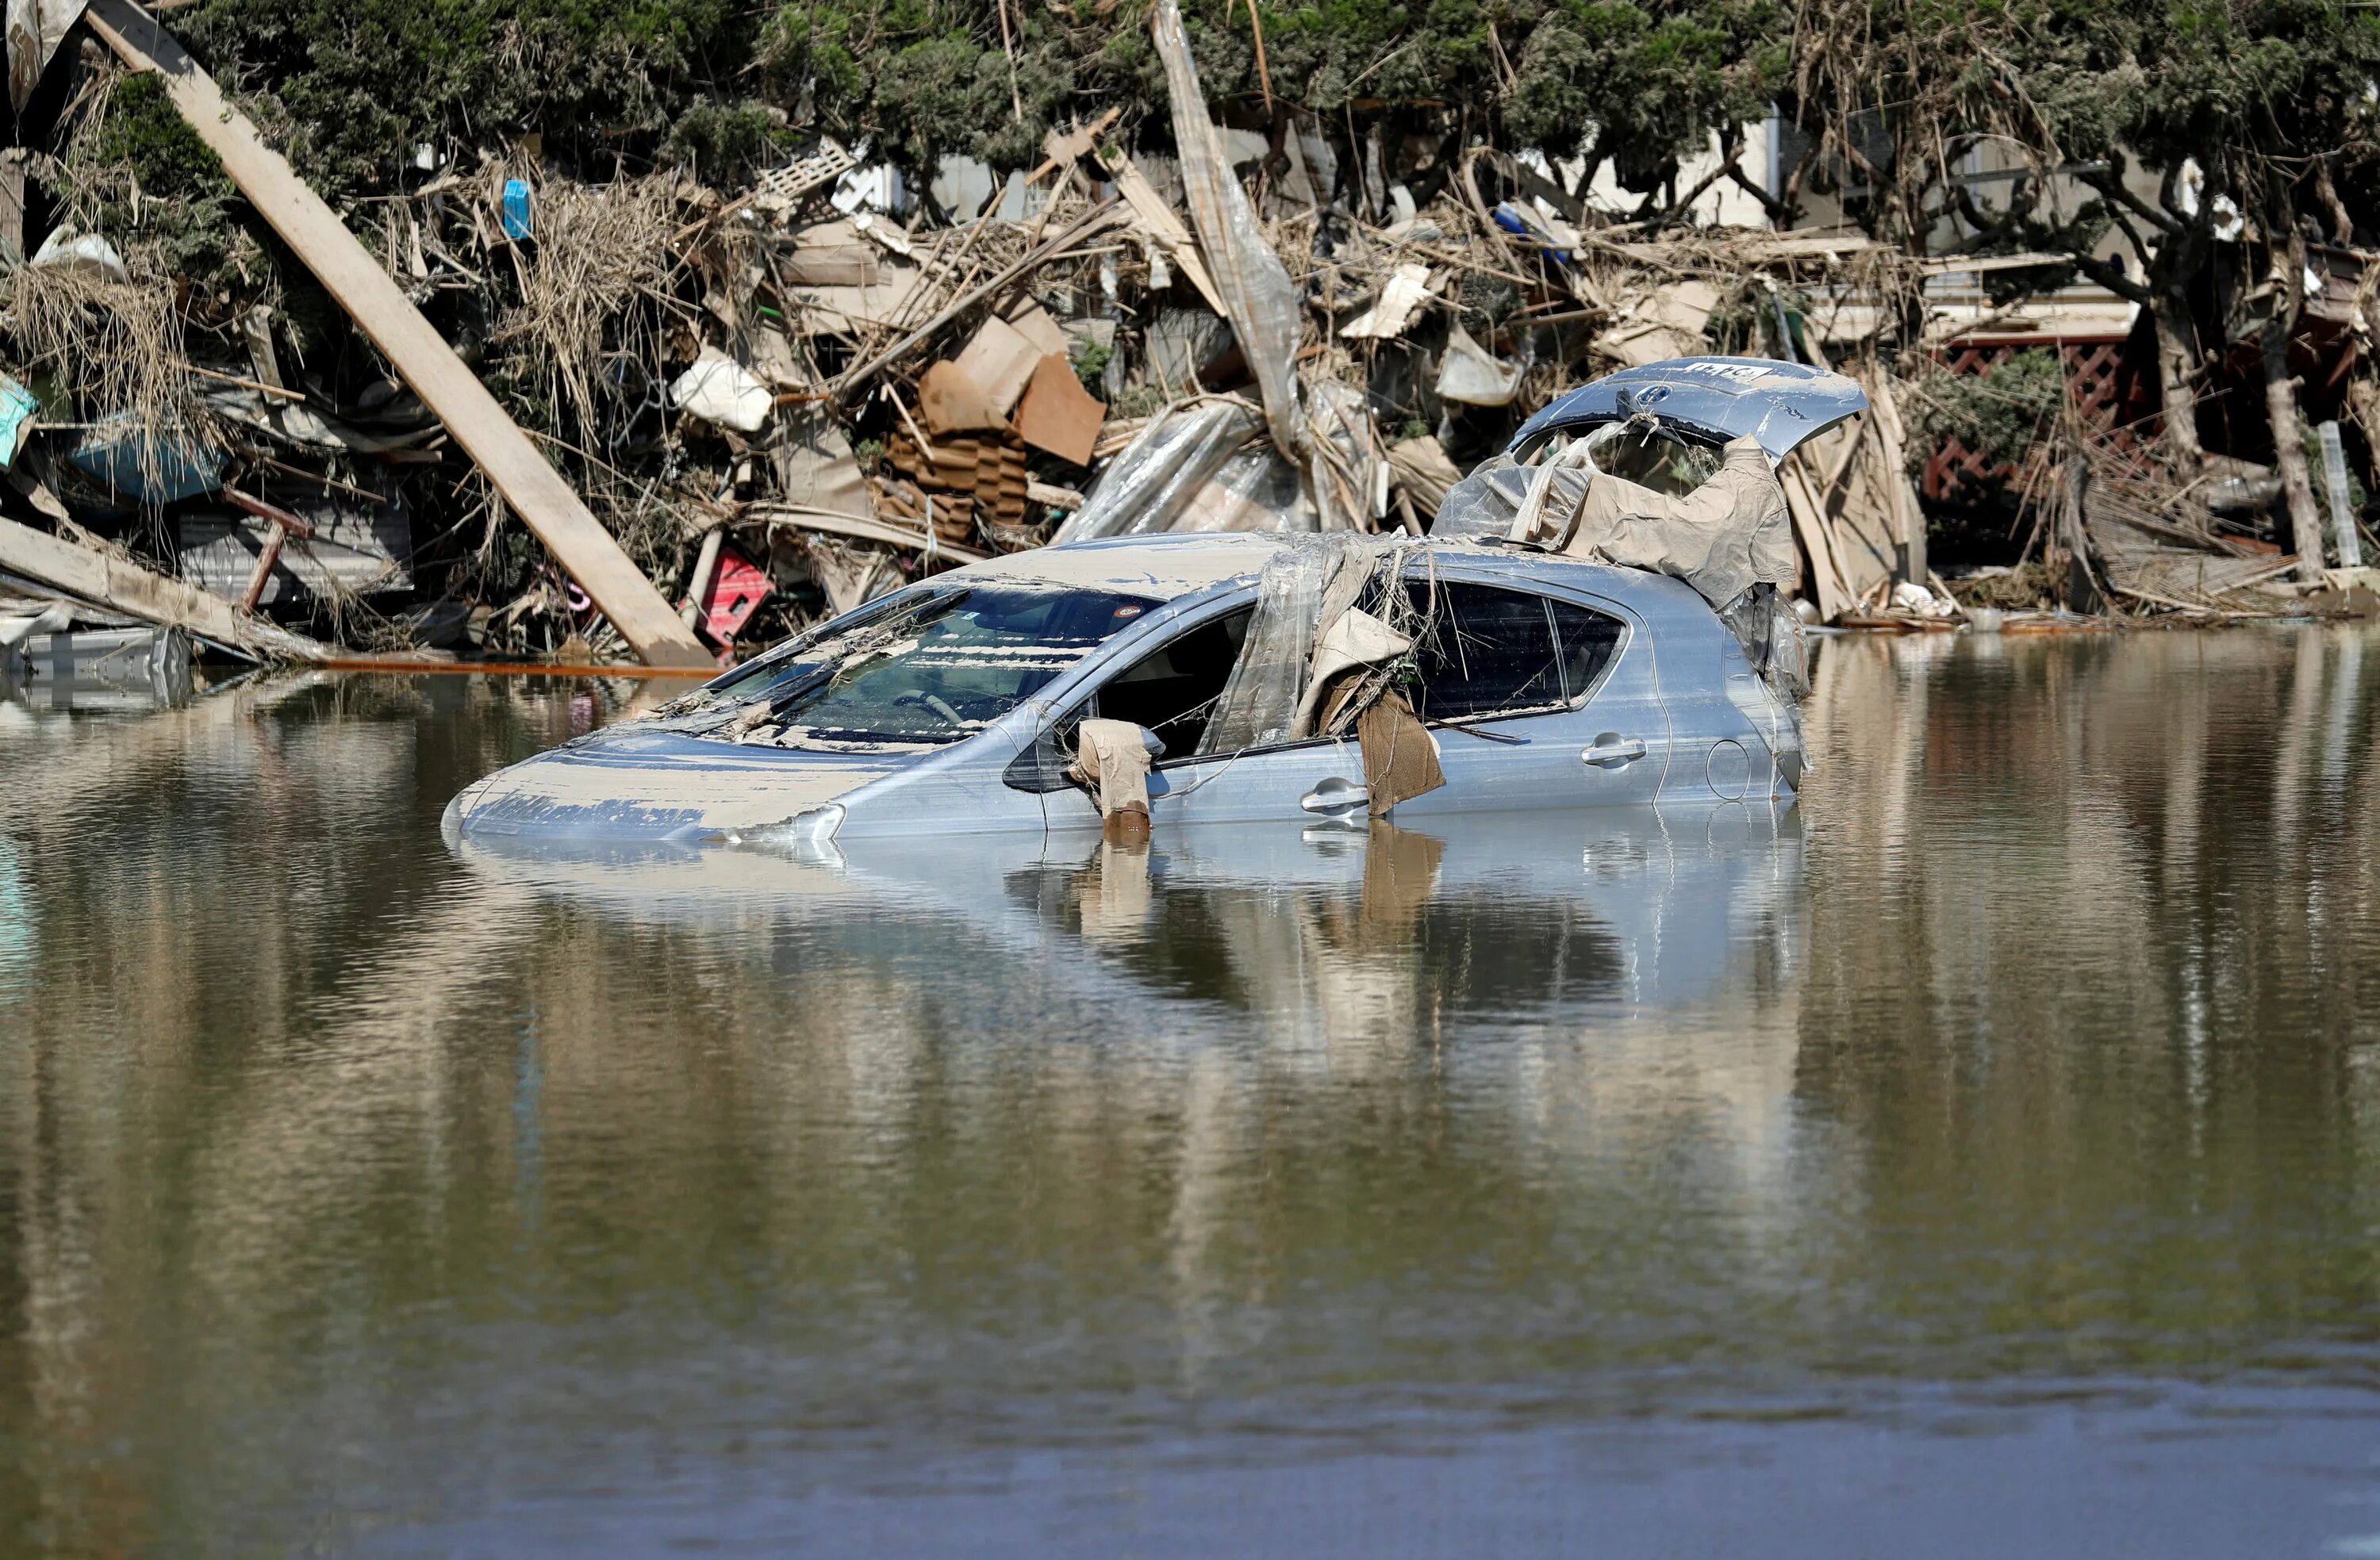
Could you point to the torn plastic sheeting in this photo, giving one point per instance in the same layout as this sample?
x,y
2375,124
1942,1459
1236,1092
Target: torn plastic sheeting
x,y
1258,297
298,425
1469,373
1314,575
36,27
1482,506
1764,624
1182,343
1348,470
1146,487
1404,292
723,392
1261,701
1254,490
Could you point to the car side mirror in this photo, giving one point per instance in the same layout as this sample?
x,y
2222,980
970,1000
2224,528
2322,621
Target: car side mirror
x,y
1042,767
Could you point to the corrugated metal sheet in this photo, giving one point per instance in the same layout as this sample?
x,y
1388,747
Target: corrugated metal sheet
x,y
366,548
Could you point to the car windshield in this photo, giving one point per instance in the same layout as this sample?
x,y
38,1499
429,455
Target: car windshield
x,y
944,671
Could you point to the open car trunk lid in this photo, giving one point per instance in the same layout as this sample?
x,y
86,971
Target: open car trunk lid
x,y
1720,398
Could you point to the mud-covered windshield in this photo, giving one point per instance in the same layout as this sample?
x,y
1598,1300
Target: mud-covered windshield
x,y
933,671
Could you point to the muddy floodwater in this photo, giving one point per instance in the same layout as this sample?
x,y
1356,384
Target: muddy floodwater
x,y
1980,1159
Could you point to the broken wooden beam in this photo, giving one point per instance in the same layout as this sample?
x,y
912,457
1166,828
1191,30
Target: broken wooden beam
x,y
121,587
588,553
858,529
282,526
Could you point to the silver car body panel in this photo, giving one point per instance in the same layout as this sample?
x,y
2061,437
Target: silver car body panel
x,y
1660,725
1719,398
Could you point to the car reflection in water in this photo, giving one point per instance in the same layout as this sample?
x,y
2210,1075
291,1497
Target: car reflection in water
x,y
1329,934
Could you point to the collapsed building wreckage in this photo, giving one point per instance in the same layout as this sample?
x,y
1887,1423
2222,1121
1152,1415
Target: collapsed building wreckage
x,y
781,403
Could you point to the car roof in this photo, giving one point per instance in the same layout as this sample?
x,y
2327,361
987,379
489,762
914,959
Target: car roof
x,y
1170,565
1164,565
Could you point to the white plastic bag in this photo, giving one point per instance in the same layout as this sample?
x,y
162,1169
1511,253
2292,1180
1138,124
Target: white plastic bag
x,y
723,392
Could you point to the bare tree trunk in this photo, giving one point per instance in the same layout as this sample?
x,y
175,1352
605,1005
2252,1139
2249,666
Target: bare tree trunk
x,y
2177,368
2281,405
2363,406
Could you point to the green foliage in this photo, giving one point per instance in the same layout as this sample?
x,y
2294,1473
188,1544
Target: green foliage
x,y
350,87
1091,359
1642,85
1998,415
353,86
150,179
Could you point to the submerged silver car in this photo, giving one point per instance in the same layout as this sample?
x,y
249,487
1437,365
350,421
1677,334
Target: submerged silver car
x,y
1543,680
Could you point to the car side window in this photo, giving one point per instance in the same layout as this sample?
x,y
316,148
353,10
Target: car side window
x,y
1585,641
1495,651
1488,651
1172,691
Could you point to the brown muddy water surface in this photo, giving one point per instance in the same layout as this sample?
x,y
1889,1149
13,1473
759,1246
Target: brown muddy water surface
x,y
1981,1159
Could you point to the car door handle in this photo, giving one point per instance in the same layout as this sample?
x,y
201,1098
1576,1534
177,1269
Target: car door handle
x,y
1609,751
1336,796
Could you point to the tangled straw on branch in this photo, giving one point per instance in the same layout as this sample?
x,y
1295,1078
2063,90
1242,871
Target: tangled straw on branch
x,y
596,284
117,346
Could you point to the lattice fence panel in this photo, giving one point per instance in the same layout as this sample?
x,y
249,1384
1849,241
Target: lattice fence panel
x,y
2115,394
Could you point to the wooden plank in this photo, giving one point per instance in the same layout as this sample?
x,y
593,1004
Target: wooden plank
x,y
536,492
110,582
1164,225
1810,525
12,205
860,529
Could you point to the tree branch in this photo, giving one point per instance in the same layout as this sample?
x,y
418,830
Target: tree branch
x,y
2111,275
1779,212
2139,245
2111,184
1685,203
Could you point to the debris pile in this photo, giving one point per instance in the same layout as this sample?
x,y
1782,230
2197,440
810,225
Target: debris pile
x,y
511,409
